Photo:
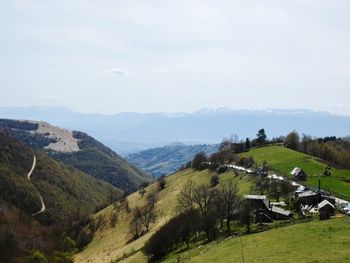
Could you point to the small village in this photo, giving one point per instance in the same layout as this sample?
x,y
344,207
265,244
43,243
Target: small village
x,y
311,202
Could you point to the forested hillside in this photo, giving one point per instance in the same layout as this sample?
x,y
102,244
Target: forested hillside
x,y
65,190
68,196
79,150
168,159
101,162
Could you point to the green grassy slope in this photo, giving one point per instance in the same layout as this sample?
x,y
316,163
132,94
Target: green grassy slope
x,y
65,190
283,160
316,241
110,243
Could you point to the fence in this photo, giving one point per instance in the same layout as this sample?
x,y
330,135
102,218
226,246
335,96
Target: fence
x,y
278,224
341,196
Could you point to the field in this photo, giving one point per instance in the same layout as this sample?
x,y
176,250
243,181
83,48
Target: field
x,y
282,160
111,243
315,241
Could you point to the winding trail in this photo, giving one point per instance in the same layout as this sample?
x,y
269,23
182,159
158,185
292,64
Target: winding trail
x,y
32,169
43,207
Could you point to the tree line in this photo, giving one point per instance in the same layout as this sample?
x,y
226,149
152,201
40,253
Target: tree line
x,y
331,149
203,211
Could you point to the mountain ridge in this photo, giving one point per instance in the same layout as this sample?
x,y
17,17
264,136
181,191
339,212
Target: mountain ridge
x,y
124,131
78,150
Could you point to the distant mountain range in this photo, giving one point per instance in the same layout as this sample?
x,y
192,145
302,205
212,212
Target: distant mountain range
x,y
131,132
168,159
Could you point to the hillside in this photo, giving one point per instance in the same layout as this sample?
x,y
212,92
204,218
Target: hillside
x,y
316,241
79,150
168,159
40,199
65,190
282,160
110,243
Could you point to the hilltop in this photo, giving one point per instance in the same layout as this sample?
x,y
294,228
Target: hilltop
x,y
79,150
283,160
168,159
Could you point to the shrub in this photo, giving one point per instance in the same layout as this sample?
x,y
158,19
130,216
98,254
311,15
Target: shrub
x,y
37,257
221,169
214,180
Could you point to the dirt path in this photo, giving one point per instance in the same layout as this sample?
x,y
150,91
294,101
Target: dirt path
x,y
43,207
32,169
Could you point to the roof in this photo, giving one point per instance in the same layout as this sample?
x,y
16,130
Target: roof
x,y
295,184
325,203
275,177
281,211
300,189
295,171
307,194
255,197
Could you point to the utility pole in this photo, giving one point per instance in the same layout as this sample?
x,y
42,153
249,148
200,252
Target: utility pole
x,y
242,250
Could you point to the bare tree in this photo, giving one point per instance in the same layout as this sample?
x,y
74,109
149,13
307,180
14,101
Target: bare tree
x,y
286,189
202,196
147,216
161,183
293,140
135,228
246,214
152,198
229,199
142,192
198,160
185,197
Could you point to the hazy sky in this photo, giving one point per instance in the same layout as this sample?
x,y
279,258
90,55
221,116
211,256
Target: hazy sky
x,y
113,56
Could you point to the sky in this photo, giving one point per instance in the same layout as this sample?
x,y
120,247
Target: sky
x,y
175,56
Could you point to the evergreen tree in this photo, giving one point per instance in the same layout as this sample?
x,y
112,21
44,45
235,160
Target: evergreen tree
x,y
261,137
247,144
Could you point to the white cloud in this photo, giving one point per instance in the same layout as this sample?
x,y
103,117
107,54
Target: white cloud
x,y
120,71
116,71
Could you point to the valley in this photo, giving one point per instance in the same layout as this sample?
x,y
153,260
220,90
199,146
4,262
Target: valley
x,y
113,211
208,131
168,159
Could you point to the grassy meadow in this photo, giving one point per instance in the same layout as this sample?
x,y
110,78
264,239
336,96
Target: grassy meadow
x,y
282,160
111,243
315,241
